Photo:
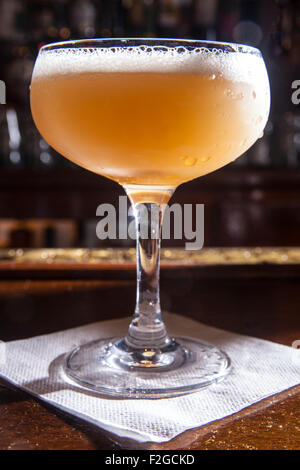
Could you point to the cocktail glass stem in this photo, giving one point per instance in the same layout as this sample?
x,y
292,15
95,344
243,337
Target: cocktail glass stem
x,y
147,362
147,330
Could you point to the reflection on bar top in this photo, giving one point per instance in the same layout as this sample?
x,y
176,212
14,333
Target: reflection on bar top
x,y
169,256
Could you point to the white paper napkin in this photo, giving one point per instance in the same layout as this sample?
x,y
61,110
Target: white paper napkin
x,y
260,369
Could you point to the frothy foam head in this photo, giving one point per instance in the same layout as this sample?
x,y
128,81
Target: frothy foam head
x,y
237,66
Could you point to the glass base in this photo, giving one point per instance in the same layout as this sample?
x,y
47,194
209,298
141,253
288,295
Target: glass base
x,y
110,367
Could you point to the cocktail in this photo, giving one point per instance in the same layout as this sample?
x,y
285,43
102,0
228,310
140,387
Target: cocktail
x,y
150,114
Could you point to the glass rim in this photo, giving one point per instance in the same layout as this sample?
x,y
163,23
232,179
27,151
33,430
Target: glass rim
x,y
162,42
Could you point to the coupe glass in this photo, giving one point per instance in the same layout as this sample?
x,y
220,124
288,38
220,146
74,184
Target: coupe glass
x,y
150,114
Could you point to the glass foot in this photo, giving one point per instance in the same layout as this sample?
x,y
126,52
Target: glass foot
x,y
109,367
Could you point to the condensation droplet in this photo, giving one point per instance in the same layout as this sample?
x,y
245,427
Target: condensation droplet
x,y
234,96
189,161
259,120
212,76
254,94
204,159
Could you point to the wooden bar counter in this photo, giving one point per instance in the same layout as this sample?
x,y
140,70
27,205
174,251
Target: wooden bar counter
x,y
250,291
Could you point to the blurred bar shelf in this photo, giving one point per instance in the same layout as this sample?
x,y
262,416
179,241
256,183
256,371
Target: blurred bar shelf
x,y
119,263
58,193
243,206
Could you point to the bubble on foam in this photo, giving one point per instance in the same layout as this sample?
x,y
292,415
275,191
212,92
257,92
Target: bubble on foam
x,y
237,66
